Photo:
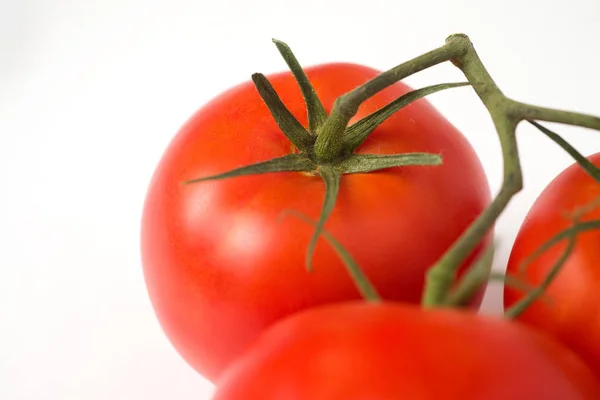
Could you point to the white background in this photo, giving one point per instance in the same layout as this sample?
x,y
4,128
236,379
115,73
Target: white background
x,y
92,91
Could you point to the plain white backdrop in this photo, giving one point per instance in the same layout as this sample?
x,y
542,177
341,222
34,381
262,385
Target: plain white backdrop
x,y
92,91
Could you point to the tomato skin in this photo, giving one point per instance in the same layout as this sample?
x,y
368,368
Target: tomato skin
x,y
219,263
356,351
572,310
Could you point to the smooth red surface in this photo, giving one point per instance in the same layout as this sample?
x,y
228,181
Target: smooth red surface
x,y
571,309
358,351
221,266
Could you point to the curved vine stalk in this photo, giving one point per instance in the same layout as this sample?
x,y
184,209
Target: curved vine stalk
x,y
476,277
326,147
506,114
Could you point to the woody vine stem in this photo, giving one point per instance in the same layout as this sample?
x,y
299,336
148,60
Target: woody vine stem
x,y
327,149
506,115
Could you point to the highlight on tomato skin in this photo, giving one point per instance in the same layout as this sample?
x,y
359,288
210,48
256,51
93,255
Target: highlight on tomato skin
x,y
357,350
569,310
221,265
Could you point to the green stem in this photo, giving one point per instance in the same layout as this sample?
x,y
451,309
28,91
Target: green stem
x,y
443,273
473,281
330,152
529,112
330,140
506,114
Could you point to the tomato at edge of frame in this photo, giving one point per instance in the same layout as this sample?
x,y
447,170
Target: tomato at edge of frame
x,y
570,309
358,351
221,265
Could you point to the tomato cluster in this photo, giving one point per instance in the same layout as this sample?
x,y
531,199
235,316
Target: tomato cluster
x,y
227,278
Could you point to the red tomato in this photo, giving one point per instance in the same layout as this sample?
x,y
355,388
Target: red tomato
x,y
571,308
221,266
359,351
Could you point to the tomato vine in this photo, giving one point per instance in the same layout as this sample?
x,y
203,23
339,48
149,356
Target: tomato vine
x,y
327,148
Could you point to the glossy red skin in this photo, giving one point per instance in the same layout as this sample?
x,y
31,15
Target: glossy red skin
x,y
360,351
220,265
572,310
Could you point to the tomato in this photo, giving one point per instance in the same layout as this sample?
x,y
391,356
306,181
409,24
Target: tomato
x,y
570,309
221,265
359,350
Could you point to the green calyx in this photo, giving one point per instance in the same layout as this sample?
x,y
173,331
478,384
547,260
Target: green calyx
x,y
326,148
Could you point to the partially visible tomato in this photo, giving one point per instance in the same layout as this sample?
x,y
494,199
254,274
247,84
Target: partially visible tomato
x,y
570,308
360,351
220,265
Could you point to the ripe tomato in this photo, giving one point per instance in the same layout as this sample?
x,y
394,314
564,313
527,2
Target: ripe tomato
x,y
220,265
357,350
571,308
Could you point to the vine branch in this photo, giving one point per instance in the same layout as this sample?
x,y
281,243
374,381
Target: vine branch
x,y
506,114
327,148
